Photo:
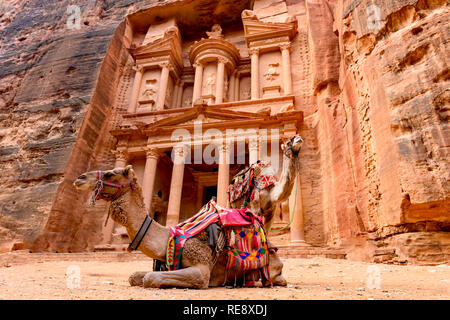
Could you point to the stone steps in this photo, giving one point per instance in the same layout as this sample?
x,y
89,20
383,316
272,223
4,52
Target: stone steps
x,y
287,251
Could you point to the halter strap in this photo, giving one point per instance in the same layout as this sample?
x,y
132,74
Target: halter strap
x,y
101,184
134,244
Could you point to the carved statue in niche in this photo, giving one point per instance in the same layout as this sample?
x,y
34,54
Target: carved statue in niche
x,y
150,91
215,33
210,84
246,93
272,72
187,102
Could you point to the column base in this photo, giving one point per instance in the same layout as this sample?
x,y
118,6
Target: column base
x,y
298,243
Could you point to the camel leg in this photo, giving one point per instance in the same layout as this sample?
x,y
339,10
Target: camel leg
x,y
196,277
276,268
136,278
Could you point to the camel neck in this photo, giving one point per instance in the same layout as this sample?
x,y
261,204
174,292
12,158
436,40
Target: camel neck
x,y
154,242
289,170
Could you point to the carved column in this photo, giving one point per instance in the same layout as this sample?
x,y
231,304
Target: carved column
x,y
163,83
297,233
236,87
121,158
197,81
286,61
136,88
232,86
254,55
176,187
219,79
148,181
223,178
253,148
180,94
173,100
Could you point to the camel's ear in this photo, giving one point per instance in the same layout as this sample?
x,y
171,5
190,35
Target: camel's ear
x,y
127,170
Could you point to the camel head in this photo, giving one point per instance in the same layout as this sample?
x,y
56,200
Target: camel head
x,y
107,185
292,147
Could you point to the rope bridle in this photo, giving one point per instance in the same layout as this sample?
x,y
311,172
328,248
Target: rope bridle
x,y
98,195
121,190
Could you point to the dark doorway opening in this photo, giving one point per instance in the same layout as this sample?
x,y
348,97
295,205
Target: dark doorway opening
x,y
208,193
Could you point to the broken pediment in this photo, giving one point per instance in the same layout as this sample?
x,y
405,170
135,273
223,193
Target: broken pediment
x,y
168,45
258,30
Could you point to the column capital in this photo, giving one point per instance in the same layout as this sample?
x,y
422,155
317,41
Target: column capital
x,y
285,46
197,64
120,154
222,60
151,153
166,64
224,148
178,154
253,51
138,68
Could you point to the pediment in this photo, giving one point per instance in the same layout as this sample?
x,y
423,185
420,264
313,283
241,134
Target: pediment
x,y
169,44
257,30
207,115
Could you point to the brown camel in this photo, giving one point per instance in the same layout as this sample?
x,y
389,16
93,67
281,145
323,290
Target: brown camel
x,y
127,209
267,200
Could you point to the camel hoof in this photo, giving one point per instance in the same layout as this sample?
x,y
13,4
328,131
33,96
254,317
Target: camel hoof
x,y
136,278
280,281
151,280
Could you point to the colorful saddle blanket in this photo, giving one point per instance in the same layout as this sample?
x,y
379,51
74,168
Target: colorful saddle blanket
x,y
246,243
245,181
187,229
247,247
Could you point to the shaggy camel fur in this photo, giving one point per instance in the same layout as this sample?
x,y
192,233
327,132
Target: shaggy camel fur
x,y
267,200
197,269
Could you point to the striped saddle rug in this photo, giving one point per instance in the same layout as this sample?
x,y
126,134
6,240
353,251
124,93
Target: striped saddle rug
x,y
245,244
246,181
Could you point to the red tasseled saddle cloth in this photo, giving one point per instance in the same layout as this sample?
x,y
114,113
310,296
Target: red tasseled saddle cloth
x,y
245,181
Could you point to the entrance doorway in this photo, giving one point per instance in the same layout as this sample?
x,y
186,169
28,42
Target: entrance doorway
x,y
208,193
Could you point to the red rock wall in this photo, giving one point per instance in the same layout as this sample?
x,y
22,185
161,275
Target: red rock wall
x,y
383,120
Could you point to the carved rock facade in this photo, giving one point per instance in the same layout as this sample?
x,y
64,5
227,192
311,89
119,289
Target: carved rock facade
x,y
365,83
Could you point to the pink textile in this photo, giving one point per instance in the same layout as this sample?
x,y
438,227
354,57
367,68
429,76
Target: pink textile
x,y
237,217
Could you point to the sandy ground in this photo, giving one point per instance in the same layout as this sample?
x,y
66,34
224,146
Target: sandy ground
x,y
316,278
